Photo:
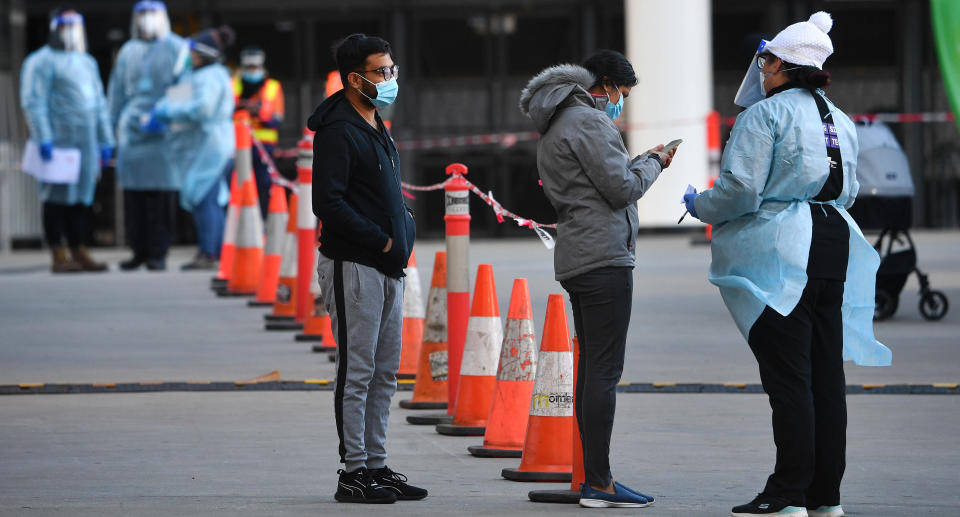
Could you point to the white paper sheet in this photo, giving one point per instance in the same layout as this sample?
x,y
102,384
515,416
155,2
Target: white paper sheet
x,y
63,168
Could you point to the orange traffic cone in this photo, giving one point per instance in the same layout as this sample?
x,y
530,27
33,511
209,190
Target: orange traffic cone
x,y
413,315
571,496
430,388
248,256
318,326
284,307
507,423
547,447
219,282
277,218
481,349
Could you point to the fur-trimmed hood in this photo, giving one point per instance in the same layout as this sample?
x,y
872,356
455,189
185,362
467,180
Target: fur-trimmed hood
x,y
550,88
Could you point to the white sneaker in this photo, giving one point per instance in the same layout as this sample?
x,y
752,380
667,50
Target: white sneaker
x,y
826,511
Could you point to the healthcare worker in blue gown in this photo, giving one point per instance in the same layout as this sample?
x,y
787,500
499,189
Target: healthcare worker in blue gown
x,y
146,66
62,98
792,266
202,141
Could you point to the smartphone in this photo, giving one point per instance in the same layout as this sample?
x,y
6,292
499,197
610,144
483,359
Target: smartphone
x,y
667,148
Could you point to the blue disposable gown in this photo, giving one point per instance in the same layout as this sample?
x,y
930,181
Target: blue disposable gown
x,y
774,163
202,138
141,76
62,98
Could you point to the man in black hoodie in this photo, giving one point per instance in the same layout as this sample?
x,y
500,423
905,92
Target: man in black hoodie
x,y
366,240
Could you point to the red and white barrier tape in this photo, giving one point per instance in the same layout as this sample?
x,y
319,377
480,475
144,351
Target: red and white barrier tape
x,y
271,167
495,205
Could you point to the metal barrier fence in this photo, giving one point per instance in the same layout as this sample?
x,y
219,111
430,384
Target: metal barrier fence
x,y
19,204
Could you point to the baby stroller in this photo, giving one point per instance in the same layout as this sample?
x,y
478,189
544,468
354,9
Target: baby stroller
x,y
885,203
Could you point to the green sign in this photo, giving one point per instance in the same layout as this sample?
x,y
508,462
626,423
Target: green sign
x,y
945,16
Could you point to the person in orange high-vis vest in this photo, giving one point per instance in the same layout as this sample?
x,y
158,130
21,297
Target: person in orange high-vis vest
x,y
262,97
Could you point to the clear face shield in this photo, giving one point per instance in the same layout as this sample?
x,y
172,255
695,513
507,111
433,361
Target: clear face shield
x,y
751,88
150,20
67,32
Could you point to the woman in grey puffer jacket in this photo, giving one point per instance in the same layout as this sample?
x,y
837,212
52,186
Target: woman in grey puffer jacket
x,y
594,185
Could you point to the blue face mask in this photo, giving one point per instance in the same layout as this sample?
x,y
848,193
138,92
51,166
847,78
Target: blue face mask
x,y
613,110
253,77
386,92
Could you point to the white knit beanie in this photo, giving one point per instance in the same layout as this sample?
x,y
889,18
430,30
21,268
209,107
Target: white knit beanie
x,y
804,43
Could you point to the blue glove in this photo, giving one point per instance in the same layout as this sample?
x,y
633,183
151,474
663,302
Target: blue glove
x,y
46,151
106,152
688,201
153,125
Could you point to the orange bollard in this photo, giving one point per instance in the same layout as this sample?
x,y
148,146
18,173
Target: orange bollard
x,y
248,255
317,326
507,424
413,315
277,218
284,306
219,282
478,368
571,496
430,388
548,445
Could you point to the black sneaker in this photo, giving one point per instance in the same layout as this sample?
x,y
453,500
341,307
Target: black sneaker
x,y
768,505
397,483
131,263
156,264
359,487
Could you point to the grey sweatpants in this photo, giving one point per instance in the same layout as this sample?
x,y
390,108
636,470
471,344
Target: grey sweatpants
x,y
366,314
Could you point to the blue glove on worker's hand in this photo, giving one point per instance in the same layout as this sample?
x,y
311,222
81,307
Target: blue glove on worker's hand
x,y
155,123
688,201
46,151
106,153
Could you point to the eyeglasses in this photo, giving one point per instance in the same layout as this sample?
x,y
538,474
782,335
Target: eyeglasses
x,y
388,72
762,60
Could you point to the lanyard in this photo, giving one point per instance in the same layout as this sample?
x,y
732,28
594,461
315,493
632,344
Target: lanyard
x,y
834,185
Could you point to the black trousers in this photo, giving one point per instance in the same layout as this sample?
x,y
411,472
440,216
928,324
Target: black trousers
x,y
801,368
601,301
70,221
150,220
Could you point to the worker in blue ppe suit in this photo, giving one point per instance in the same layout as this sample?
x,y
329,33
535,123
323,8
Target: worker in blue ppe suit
x,y
792,266
202,140
146,66
62,98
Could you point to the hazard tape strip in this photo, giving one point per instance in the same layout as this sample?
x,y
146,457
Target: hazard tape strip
x,y
271,167
407,385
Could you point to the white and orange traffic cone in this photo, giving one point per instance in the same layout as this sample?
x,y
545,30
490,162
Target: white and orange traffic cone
x,y
219,282
318,326
413,316
571,496
248,256
277,218
507,424
548,445
430,388
284,306
478,369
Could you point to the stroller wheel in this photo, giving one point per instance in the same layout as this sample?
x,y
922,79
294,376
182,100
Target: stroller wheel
x,y
933,305
885,306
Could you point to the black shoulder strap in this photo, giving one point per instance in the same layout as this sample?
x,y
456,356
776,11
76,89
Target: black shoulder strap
x,y
834,185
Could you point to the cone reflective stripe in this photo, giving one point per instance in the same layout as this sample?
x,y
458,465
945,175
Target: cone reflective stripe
x,y
571,496
430,389
547,448
277,217
306,227
229,235
457,223
481,354
507,423
413,316
248,255
283,305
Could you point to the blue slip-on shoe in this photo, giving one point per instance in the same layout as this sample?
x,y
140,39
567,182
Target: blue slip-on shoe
x,y
619,487
592,498
826,511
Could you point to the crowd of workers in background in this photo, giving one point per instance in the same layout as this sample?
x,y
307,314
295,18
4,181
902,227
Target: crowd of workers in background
x,y
167,98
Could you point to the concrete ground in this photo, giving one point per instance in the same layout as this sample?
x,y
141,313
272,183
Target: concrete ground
x,y
274,453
